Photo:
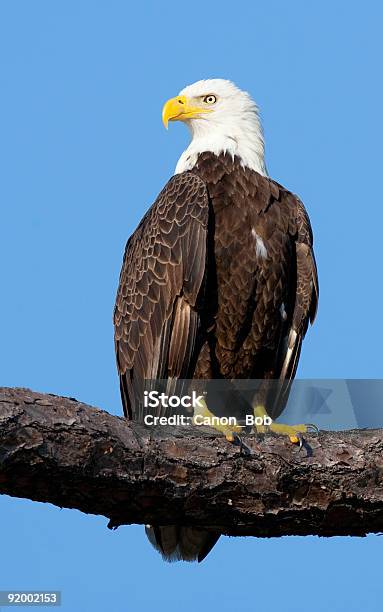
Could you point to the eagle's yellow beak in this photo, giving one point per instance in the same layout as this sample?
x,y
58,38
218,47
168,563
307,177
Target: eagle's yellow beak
x,y
179,109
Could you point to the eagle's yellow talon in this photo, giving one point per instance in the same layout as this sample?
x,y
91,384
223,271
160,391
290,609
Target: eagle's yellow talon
x,y
229,431
294,439
294,432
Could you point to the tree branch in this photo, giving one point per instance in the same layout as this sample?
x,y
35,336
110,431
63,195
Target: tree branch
x,y
55,449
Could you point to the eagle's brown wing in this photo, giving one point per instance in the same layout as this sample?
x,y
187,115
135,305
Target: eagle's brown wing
x,y
304,293
156,320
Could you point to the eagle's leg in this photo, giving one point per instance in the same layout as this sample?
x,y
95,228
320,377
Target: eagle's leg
x,y
294,432
229,431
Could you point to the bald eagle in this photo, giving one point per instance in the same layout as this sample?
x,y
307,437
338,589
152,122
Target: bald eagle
x,y
219,279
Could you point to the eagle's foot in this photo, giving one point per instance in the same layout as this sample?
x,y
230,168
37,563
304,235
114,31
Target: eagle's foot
x,y
294,432
229,431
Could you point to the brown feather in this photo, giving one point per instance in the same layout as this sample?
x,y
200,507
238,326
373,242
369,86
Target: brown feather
x,y
156,271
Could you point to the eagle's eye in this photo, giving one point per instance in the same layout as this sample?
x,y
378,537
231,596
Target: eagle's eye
x,y
210,99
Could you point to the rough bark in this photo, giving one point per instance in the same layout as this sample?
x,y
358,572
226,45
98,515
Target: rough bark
x,y
55,449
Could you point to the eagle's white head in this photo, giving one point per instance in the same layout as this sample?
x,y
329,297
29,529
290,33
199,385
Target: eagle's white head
x,y
221,119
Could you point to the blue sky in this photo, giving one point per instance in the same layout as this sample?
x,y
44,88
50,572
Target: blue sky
x,y
83,153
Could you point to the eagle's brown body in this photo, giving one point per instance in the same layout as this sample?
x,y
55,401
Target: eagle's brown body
x,y
198,297
218,281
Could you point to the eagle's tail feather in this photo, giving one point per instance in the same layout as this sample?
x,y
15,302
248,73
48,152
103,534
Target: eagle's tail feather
x,y
179,543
